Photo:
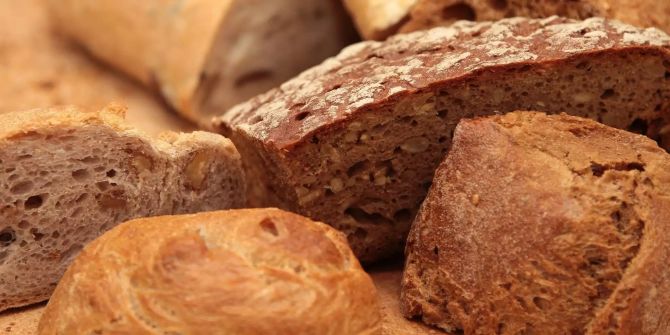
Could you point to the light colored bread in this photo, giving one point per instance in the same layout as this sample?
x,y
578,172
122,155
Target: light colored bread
x,y
542,224
252,271
67,176
378,19
39,70
355,141
21,321
206,55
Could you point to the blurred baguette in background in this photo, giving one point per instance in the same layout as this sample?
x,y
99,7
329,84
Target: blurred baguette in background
x,y
204,56
39,69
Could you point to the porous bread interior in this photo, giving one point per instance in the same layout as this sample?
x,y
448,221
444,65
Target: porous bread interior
x,y
561,286
368,176
432,13
63,188
250,54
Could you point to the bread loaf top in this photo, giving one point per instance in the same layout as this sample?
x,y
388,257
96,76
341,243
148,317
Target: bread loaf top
x,y
372,73
251,271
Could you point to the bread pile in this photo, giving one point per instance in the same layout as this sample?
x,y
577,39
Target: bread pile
x,y
520,162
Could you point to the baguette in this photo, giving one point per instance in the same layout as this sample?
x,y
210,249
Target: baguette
x,y
67,176
355,141
206,55
378,19
252,271
541,224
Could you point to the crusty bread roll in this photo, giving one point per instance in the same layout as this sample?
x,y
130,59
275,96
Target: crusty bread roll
x,y
378,19
252,271
355,141
206,55
542,224
67,176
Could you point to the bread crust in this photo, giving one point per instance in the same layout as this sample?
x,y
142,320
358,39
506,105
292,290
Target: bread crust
x,y
380,19
543,224
69,175
251,271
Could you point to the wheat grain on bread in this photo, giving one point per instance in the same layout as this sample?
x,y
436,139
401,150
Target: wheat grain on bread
x,y
252,271
206,55
543,224
354,142
67,176
378,19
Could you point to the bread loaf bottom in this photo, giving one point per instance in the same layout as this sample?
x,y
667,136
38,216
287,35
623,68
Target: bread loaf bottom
x,y
68,176
542,224
246,272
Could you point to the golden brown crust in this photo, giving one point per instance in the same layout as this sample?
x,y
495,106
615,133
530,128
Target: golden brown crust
x,y
543,224
256,271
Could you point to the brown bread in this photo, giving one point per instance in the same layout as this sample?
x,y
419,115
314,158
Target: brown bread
x,y
541,224
355,141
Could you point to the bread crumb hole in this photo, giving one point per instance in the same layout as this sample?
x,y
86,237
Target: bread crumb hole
x,y
498,4
607,94
36,234
7,237
459,11
111,173
81,174
269,227
33,202
301,116
541,303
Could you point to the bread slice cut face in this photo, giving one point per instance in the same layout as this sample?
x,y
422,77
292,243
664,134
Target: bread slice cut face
x,y
67,176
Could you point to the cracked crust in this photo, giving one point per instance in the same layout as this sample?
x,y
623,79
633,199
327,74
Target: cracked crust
x,y
543,225
252,271
378,19
70,175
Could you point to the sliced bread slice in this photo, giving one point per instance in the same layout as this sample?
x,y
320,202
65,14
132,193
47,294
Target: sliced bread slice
x,y
66,176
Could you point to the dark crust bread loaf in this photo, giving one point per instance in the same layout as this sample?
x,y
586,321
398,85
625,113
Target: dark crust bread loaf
x,y
378,19
354,142
541,224
251,271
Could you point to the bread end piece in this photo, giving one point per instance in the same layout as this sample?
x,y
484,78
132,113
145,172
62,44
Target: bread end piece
x,y
545,224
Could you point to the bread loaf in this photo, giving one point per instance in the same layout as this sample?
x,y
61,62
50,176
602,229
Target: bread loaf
x,y
542,224
206,55
378,19
255,271
354,142
67,176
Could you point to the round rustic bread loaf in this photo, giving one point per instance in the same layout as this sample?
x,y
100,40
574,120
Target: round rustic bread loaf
x,y
542,224
256,271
